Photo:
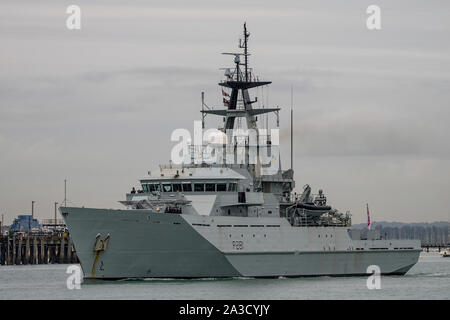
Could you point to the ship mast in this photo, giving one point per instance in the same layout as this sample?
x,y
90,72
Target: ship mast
x,y
246,35
239,81
238,104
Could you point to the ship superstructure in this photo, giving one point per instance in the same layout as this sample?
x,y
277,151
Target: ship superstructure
x,y
231,213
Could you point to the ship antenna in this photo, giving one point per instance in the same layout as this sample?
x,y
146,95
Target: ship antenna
x,y
292,128
245,47
65,193
203,109
204,105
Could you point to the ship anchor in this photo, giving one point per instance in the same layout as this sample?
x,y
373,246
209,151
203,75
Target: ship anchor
x,y
99,246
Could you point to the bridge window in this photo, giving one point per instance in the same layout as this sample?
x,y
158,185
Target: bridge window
x,y
150,187
187,187
153,187
221,187
199,187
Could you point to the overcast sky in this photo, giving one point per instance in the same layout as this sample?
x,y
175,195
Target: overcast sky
x,y
97,106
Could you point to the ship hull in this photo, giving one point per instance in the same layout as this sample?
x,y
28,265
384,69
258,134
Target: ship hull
x,y
146,244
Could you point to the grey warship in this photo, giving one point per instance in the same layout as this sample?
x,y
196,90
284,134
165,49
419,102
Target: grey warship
x,y
229,216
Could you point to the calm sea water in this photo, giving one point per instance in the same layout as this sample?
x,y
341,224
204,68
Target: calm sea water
x,y
428,279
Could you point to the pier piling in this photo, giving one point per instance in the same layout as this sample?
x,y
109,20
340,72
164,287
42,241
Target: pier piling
x,y
19,252
36,249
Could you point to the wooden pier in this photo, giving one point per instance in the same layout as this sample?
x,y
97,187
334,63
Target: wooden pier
x,y
36,249
426,247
